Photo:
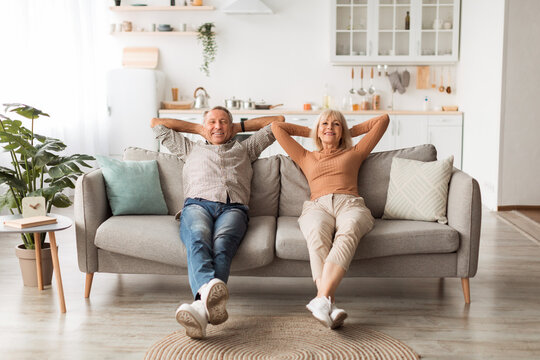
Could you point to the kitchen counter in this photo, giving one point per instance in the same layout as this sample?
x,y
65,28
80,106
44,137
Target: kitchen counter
x,y
284,111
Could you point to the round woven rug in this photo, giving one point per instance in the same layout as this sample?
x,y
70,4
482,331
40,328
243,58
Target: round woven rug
x,y
291,337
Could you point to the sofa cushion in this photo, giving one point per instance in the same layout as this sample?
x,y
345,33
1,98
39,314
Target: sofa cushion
x,y
141,195
157,238
265,187
388,237
373,179
170,175
418,190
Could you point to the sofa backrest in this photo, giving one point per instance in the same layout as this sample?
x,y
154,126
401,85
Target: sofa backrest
x,y
373,179
264,184
265,187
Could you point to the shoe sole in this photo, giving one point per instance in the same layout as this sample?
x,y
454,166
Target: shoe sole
x,y
192,326
216,303
339,320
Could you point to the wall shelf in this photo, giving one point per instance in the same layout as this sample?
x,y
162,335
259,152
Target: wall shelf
x,y
155,33
160,8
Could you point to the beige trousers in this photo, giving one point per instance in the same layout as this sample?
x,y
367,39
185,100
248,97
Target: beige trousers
x,y
333,226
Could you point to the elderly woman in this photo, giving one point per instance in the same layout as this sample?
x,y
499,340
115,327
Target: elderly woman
x,y
336,217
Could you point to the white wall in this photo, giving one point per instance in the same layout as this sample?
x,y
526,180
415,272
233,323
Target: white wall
x,y
519,176
480,76
281,58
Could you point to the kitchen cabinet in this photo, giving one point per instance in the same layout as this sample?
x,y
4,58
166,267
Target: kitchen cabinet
x,y
375,32
404,131
446,133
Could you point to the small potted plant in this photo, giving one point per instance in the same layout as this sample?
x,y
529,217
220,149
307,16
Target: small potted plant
x,y
36,169
208,39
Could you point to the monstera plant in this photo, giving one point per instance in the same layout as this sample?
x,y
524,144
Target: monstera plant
x,y
37,167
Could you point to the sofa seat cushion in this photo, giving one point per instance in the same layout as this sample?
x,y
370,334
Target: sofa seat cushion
x,y
157,238
388,237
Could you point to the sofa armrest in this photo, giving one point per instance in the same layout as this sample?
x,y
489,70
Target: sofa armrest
x,y
465,215
91,210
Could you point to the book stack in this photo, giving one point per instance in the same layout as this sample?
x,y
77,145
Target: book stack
x,y
30,222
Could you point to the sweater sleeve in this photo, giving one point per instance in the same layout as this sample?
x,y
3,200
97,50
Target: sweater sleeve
x,y
284,132
374,130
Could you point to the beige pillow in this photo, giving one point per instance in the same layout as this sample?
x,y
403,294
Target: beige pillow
x,y
418,190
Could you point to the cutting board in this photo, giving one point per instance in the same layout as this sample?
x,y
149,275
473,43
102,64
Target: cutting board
x,y
140,57
422,77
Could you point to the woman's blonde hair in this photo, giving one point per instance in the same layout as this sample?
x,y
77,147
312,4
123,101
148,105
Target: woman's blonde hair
x,y
345,142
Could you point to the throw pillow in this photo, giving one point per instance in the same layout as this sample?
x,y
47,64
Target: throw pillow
x,y
418,190
133,187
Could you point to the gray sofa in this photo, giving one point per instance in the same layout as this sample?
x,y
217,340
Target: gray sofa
x,y
274,245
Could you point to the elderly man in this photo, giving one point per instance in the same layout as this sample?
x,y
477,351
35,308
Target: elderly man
x,y
217,180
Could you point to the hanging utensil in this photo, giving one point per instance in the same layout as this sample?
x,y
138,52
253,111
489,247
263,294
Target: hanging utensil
x,y
448,88
434,83
405,78
362,91
371,89
379,68
441,88
386,70
352,91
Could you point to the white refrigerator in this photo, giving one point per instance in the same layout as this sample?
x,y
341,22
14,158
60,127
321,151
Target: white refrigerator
x,y
133,99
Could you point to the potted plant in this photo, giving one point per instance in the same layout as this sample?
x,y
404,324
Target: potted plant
x,y
37,168
208,39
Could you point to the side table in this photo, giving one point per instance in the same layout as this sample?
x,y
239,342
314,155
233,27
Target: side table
x,y
63,222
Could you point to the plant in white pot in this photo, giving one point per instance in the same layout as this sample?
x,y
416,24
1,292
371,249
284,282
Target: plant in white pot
x,y
37,167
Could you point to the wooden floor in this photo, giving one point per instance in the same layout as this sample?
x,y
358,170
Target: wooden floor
x,y
531,214
523,223
127,313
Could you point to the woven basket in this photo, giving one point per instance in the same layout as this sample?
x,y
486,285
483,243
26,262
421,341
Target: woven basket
x,y
181,105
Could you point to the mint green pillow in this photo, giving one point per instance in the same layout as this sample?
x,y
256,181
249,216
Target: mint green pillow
x,y
133,187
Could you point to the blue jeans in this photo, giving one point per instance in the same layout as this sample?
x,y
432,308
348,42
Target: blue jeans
x,y
212,232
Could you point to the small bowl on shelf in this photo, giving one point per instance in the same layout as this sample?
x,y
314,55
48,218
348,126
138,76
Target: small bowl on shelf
x,y
164,27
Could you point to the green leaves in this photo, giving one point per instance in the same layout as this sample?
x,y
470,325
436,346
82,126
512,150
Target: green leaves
x,y
35,163
208,39
28,112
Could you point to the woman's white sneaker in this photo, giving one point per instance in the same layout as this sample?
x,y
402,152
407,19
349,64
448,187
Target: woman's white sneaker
x,y
338,316
320,307
193,318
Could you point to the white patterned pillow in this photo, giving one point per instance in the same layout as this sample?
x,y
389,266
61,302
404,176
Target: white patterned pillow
x,y
418,190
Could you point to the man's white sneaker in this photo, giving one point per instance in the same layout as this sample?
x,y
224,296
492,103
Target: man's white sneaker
x,y
338,316
193,318
214,296
320,307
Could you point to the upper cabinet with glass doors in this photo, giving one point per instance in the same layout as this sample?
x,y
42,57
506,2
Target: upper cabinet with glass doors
x,y
394,31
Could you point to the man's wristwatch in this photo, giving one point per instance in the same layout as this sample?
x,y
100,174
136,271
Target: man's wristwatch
x,y
242,124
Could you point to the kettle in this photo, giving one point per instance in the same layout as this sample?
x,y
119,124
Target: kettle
x,y
201,98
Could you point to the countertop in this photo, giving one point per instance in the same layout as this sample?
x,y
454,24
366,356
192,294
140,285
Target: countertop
x,y
284,111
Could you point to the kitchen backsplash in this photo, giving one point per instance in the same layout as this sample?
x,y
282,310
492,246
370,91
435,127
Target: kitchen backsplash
x,y
279,58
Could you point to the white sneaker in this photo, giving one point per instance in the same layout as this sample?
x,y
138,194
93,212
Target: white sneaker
x,y
321,307
338,316
214,296
193,318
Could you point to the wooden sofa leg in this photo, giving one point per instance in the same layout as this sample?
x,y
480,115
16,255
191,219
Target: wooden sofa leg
x,y
466,290
88,284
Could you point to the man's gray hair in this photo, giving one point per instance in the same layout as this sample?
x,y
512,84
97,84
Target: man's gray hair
x,y
222,108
